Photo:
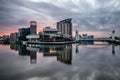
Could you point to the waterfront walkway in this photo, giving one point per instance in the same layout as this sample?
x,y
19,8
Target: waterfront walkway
x,y
71,42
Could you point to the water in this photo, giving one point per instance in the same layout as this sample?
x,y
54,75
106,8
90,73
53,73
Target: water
x,y
83,61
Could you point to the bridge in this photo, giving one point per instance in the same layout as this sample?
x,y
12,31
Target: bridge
x,y
96,39
101,39
111,39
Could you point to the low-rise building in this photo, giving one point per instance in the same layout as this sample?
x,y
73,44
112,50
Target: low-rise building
x,y
33,37
51,34
47,35
5,39
85,36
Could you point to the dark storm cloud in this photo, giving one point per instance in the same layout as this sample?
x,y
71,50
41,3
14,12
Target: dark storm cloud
x,y
9,13
86,14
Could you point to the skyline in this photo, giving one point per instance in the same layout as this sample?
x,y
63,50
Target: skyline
x,y
88,16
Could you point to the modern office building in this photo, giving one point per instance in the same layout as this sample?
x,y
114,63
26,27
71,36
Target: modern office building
x,y
33,27
14,36
65,27
23,32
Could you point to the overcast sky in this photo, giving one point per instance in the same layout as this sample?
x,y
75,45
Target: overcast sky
x,y
87,15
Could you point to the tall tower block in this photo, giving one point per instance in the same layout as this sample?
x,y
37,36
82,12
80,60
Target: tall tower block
x,y
65,27
33,27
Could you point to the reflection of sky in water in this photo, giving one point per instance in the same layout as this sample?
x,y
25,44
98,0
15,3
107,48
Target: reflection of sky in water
x,y
88,64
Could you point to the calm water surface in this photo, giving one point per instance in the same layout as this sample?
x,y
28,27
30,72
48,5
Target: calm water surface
x,y
83,61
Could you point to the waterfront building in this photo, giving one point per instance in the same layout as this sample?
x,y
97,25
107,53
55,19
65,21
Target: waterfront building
x,y
33,37
23,32
14,36
90,37
65,27
51,34
47,35
1,39
5,37
33,27
85,36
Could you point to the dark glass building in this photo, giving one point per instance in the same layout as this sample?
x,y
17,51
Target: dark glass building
x,y
23,32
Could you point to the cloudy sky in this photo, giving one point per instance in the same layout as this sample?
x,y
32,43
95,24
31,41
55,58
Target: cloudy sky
x,y
97,17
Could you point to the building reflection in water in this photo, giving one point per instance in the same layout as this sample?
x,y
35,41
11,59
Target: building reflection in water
x,y
113,49
77,50
22,51
65,56
33,57
63,53
13,46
